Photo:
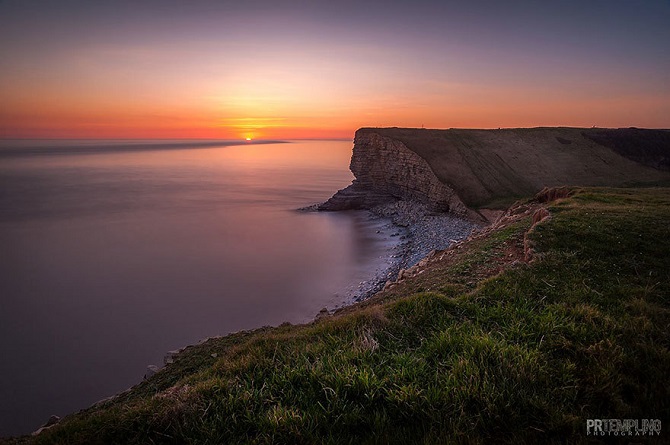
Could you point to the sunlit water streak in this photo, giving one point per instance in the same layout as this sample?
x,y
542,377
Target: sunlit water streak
x,y
113,253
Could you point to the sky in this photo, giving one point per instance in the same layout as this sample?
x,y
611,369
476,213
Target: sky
x,y
322,69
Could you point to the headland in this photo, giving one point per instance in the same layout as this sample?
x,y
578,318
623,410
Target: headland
x,y
478,173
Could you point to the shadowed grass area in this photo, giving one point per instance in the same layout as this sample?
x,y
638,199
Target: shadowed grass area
x,y
513,353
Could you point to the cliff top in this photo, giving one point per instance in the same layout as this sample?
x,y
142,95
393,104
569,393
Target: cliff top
x,y
492,168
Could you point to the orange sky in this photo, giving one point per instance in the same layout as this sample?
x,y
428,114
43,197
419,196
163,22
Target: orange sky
x,y
269,72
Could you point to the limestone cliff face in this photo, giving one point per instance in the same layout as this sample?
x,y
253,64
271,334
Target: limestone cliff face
x,y
469,172
387,170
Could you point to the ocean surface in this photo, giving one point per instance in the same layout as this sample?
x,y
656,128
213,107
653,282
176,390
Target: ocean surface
x,y
114,252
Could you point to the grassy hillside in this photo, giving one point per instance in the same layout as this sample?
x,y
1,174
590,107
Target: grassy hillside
x,y
493,168
480,346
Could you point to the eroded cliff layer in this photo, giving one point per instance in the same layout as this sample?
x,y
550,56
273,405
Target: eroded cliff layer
x,y
386,170
461,170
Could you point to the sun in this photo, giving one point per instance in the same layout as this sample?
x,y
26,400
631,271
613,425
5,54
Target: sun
x,y
248,138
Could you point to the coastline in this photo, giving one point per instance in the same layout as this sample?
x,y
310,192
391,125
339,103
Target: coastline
x,y
419,230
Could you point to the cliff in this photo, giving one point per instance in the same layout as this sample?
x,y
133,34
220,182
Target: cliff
x,y
386,170
463,171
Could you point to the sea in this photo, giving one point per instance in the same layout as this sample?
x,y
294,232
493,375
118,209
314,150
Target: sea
x,y
113,252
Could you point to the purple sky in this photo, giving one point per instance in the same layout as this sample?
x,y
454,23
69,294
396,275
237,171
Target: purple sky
x,y
317,68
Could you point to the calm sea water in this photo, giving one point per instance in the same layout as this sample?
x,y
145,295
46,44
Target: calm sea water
x,y
112,253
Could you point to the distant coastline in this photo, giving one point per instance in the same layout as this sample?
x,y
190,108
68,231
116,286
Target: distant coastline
x,y
93,146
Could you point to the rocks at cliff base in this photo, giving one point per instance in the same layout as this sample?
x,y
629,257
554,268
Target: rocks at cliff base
x,y
422,231
427,230
396,183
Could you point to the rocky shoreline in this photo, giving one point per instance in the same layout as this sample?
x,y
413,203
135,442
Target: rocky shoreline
x,y
419,230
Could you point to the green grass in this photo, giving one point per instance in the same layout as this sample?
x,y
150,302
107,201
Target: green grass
x,y
525,354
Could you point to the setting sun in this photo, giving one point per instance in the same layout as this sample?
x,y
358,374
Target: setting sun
x,y
292,81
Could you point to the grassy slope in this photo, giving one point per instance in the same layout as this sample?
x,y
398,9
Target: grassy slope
x,y
493,168
496,348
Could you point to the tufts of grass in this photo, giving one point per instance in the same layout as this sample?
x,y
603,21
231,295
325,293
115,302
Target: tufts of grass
x,y
494,353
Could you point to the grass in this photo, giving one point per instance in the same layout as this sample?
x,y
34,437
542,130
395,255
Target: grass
x,y
492,349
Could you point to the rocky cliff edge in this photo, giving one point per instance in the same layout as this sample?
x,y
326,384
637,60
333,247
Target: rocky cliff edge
x,y
467,172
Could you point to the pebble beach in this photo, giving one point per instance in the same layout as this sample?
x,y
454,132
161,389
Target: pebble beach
x,y
418,232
